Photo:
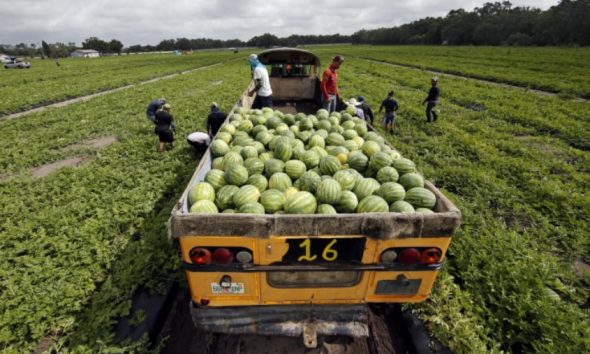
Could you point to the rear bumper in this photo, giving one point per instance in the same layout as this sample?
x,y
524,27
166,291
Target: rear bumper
x,y
286,320
191,267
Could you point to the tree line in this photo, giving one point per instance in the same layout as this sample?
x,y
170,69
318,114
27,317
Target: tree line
x,y
497,23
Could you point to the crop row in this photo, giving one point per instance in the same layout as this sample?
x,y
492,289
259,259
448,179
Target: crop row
x,y
77,243
510,284
46,82
561,70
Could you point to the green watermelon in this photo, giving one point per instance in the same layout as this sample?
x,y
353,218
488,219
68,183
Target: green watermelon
x,y
300,203
316,140
295,169
236,175
251,208
329,165
215,178
326,209
424,211
311,159
391,192
280,181
309,181
231,159
258,181
370,148
358,161
254,166
283,150
420,198
246,194
224,196
379,160
387,174
347,203
403,165
372,204
219,147
365,187
401,207
248,152
272,200
346,179
335,139
217,164
411,180
328,191
204,207
272,166
201,191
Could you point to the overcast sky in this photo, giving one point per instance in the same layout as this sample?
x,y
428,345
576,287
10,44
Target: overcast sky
x,y
150,21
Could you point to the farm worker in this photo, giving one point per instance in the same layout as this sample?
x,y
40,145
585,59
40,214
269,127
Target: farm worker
x,y
199,141
261,84
355,105
432,100
368,112
329,84
165,127
215,119
390,105
153,107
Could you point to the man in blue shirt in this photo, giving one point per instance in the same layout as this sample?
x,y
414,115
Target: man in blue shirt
x,y
153,107
390,105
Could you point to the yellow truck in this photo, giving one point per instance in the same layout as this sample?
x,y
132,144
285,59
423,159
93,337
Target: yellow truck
x,y
305,274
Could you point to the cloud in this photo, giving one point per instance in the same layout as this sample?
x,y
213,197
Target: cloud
x,y
150,21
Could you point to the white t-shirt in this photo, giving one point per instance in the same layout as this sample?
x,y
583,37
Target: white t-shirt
x,y
260,73
198,137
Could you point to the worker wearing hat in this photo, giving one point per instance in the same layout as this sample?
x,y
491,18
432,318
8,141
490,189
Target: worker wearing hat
x,y
367,111
329,84
261,83
153,107
165,127
432,100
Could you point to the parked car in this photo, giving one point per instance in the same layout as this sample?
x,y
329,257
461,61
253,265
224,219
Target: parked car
x,y
17,63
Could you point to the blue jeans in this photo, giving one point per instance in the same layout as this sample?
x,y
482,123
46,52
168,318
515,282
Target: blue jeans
x,y
330,104
262,101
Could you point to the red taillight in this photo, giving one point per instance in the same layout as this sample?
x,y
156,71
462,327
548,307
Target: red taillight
x,y
200,256
223,256
409,256
430,256
204,302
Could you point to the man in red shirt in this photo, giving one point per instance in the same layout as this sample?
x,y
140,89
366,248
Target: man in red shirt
x,y
329,84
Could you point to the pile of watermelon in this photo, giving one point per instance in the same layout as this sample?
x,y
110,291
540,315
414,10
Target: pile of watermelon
x,y
267,162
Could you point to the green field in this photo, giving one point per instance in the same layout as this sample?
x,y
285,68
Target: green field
x,y
78,242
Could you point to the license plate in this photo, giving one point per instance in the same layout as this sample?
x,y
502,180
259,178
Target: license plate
x,y
234,288
324,250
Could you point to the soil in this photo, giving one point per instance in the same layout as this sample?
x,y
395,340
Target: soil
x,y
46,169
97,143
581,268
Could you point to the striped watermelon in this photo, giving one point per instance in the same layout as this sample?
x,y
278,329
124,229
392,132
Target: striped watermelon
x,y
236,175
370,148
217,163
391,192
346,179
219,147
329,191
224,196
246,194
248,151
347,203
272,200
309,181
387,174
326,209
231,159
216,178
311,159
403,165
204,207
335,139
401,207
365,187
283,150
201,191
424,211
420,198
295,169
251,208
372,204
301,203
358,161
272,166
254,166
329,165
280,181
411,180
258,181
379,160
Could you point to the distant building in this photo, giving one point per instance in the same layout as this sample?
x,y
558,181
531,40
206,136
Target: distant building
x,y
85,53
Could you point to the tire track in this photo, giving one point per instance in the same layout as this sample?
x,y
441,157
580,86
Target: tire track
x,y
101,93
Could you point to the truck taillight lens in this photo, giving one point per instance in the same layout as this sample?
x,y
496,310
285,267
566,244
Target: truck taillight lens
x,y
244,257
223,256
409,256
200,256
430,256
389,256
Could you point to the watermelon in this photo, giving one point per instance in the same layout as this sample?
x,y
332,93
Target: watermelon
x,y
370,148
283,150
309,181
316,140
217,163
411,180
289,191
224,196
216,178
365,187
280,181
387,174
311,159
295,169
272,166
420,198
391,192
228,128
300,203
401,207
328,191
246,194
258,181
403,165
347,203
346,179
229,211
254,166
204,207
358,161
372,204
335,139
424,211
379,160
264,137
272,200
219,147
248,151
231,159
236,175
251,208
329,165
326,209
201,191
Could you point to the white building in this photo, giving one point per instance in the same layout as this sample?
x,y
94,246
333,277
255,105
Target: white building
x,y
85,53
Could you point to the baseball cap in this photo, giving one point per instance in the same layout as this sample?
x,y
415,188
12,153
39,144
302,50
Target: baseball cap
x,y
166,107
361,99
